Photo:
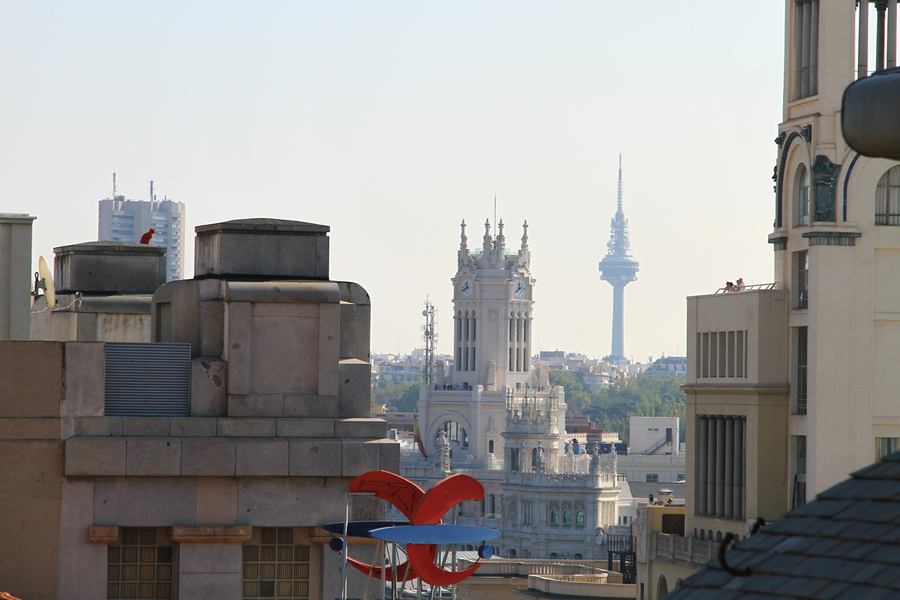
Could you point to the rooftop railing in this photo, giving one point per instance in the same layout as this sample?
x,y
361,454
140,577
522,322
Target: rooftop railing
x,y
683,548
744,287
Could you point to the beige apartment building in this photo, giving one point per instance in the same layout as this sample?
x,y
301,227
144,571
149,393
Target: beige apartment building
x,y
791,386
201,464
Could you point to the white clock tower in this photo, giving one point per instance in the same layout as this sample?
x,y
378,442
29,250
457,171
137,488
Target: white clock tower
x,y
491,375
492,312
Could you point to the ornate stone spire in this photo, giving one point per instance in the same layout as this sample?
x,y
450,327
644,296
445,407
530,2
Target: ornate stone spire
x,y
464,259
488,242
499,246
524,259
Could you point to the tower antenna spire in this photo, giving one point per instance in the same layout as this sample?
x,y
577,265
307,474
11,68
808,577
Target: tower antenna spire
x,y
619,189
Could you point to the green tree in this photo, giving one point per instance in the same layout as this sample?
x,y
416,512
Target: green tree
x,y
400,397
637,396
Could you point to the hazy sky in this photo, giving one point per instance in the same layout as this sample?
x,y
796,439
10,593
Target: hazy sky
x,y
393,121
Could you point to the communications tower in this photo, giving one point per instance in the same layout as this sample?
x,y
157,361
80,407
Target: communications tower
x,y
429,335
619,269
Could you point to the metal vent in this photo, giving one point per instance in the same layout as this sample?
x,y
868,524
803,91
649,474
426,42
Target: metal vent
x,y
148,380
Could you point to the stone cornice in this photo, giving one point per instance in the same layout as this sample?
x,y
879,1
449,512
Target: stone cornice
x,y
764,389
219,534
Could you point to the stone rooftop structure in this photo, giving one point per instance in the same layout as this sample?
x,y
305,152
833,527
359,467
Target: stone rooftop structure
x,y
103,293
843,545
203,464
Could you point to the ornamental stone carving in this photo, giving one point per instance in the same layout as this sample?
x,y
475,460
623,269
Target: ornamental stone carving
x,y
512,511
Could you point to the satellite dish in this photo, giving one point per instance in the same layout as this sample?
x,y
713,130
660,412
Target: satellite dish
x,y
43,280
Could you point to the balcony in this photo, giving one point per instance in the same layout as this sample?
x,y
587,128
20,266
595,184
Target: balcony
x,y
685,549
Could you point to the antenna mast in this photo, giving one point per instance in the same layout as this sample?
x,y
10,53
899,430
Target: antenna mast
x,y
430,336
619,191
495,215
115,191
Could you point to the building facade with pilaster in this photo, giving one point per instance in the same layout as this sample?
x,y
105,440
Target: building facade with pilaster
x,y
791,386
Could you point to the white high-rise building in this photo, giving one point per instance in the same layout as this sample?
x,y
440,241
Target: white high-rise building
x,y
124,220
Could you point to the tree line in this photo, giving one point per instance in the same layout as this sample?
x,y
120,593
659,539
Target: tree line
x,y
637,396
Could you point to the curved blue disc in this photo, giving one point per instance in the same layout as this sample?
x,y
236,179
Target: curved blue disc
x,y
361,528
435,534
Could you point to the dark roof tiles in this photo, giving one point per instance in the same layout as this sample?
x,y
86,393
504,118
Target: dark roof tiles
x,y
844,545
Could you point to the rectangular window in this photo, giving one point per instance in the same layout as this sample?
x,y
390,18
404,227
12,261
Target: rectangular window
x,y
680,477
731,353
806,49
802,363
885,446
802,280
274,565
698,362
140,565
721,485
652,478
722,354
798,493
704,360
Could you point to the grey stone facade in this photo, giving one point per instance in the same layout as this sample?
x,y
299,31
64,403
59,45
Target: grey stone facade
x,y
278,427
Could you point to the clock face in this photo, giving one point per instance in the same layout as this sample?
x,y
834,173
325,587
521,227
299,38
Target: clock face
x,y
519,289
466,287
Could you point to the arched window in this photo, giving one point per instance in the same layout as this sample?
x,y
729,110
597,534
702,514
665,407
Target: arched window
x,y
579,518
554,516
455,433
663,588
512,553
801,195
491,447
887,198
567,517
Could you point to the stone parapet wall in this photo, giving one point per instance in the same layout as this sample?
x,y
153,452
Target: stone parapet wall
x,y
685,549
227,457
